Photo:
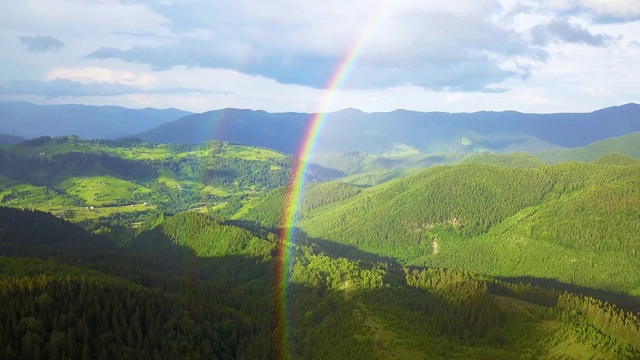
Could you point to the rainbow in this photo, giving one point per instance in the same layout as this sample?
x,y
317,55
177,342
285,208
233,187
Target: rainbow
x,y
297,182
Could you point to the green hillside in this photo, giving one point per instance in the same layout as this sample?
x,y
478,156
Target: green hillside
x,y
195,287
370,169
616,159
267,210
81,179
209,236
69,294
356,163
511,160
576,219
625,144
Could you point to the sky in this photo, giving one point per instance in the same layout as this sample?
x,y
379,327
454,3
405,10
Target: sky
x,y
281,55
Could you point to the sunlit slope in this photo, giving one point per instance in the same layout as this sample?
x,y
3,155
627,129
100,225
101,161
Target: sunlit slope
x,y
445,314
575,222
70,176
207,236
355,163
268,210
625,144
616,159
519,159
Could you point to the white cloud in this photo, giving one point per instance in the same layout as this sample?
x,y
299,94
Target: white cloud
x,y
531,97
424,55
458,98
619,10
600,91
439,45
101,74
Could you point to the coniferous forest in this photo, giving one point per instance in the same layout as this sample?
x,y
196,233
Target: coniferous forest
x,y
131,250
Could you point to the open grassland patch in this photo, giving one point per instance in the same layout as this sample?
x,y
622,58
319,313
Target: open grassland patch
x,y
216,191
80,213
168,178
103,190
23,195
140,153
250,153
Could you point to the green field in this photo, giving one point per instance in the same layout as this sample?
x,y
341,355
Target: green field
x,y
75,174
103,190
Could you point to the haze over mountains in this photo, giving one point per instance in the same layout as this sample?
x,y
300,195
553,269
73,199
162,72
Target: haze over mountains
x,y
90,122
400,132
403,132
10,139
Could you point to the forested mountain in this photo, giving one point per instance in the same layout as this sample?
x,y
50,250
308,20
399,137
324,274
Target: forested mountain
x,y
91,299
91,122
510,160
573,222
282,132
625,144
165,295
403,132
616,159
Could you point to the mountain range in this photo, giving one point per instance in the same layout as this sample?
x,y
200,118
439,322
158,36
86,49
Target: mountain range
x,y
90,122
389,134
10,139
403,132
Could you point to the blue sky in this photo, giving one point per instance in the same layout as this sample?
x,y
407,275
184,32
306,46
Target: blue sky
x,y
430,55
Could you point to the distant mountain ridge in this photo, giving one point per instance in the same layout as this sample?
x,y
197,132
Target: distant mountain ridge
x,y
403,132
389,134
90,122
255,127
10,139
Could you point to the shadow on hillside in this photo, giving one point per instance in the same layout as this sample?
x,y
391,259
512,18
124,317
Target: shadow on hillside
x,y
623,301
251,225
330,248
333,249
321,173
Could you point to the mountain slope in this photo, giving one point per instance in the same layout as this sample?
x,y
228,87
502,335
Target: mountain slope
x,y
403,132
624,144
616,159
124,302
90,122
256,128
576,219
511,160
90,179
164,296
